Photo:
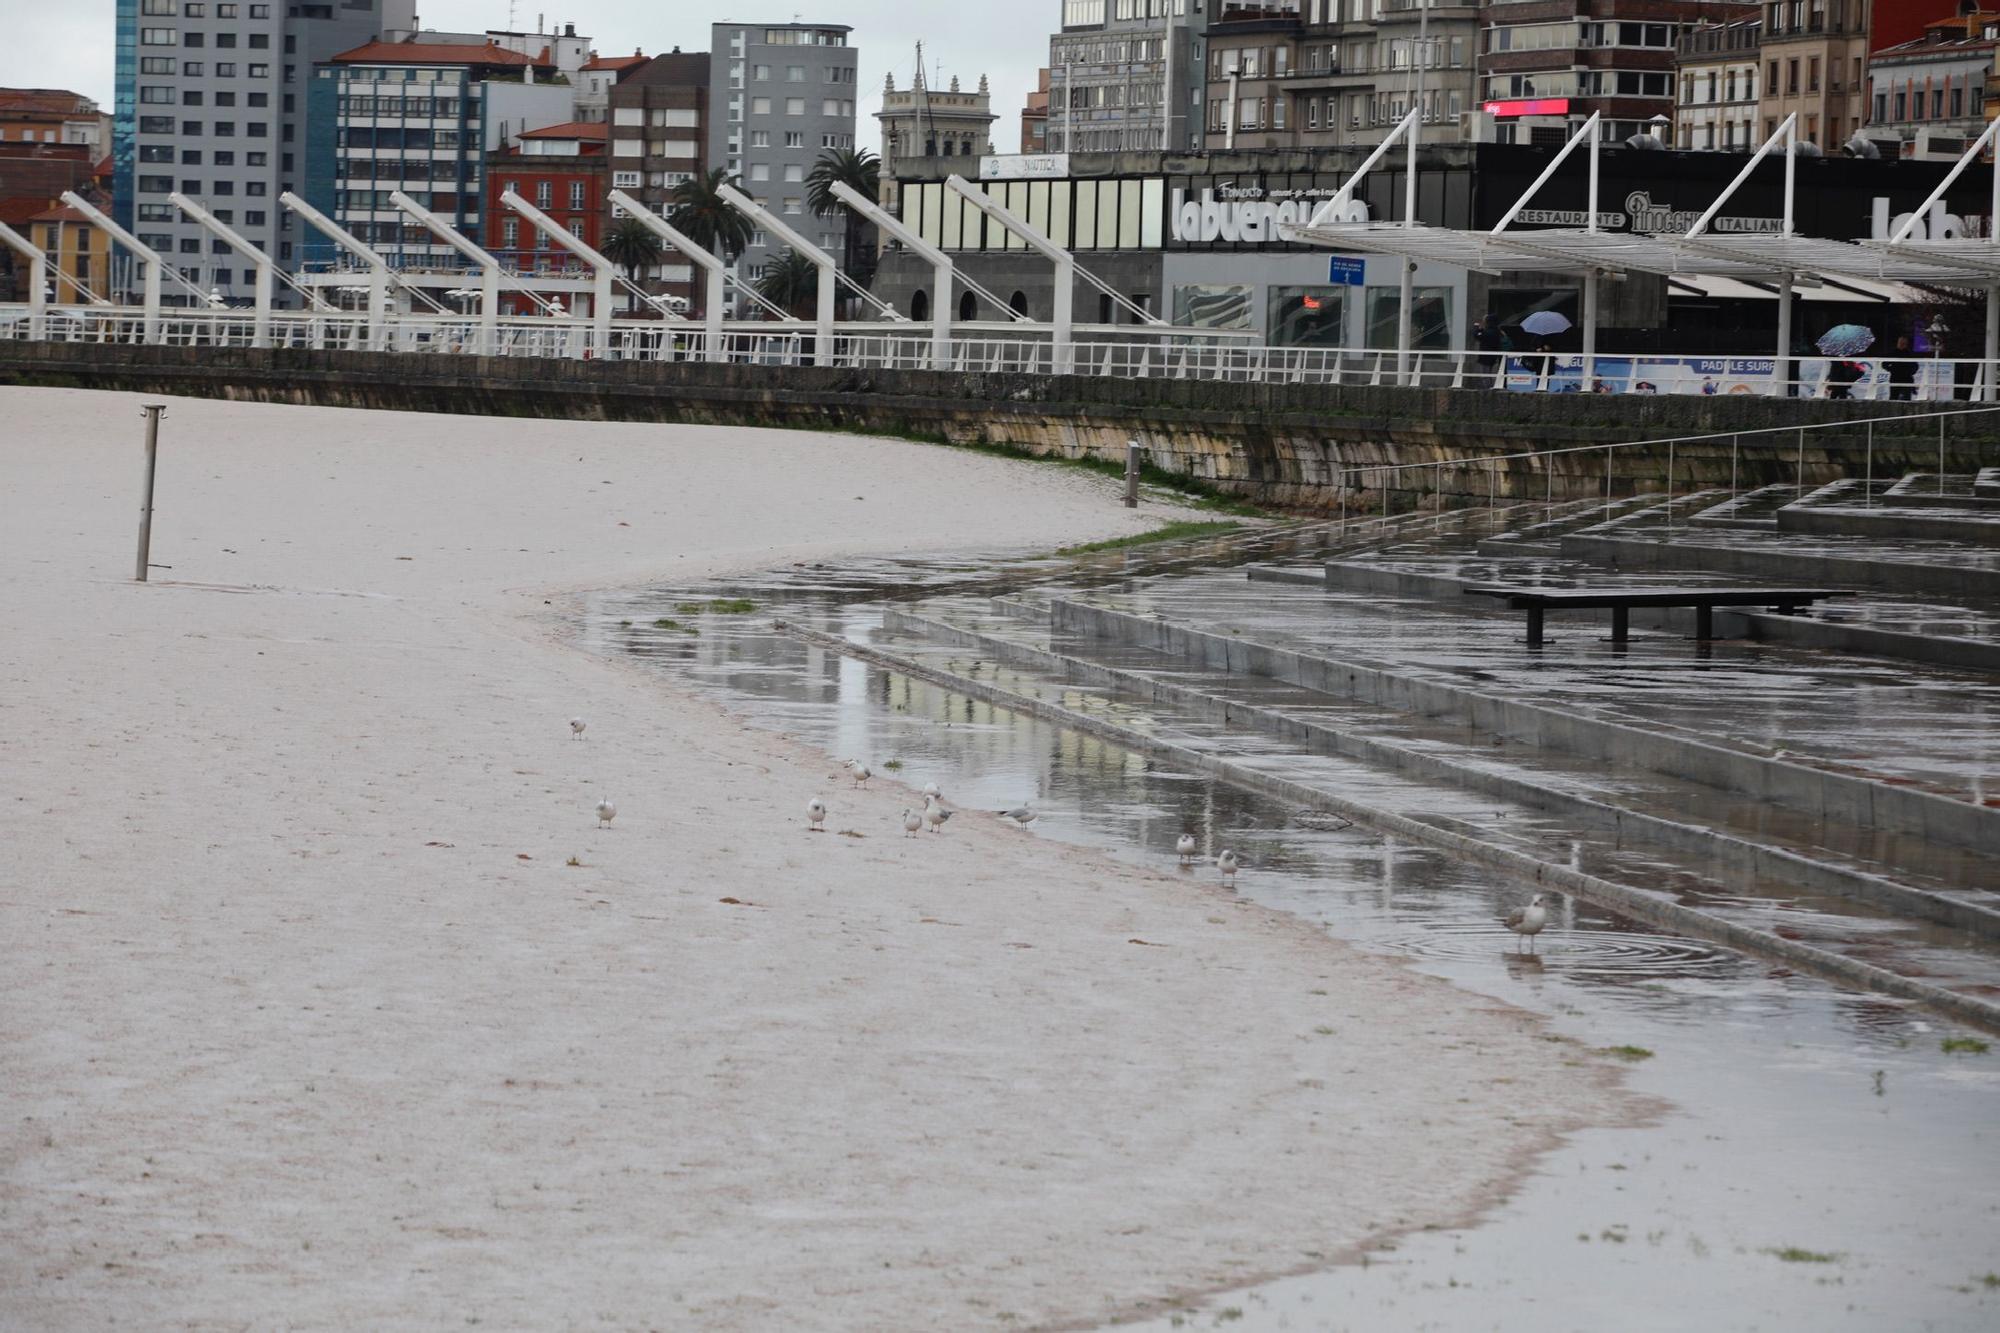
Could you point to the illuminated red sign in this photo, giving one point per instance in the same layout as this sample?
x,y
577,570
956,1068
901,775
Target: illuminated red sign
x,y
1538,106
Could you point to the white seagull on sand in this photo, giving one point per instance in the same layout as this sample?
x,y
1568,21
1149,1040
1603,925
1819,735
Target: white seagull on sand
x,y
912,821
815,815
606,812
935,814
1527,922
1184,845
1020,814
931,792
1227,864
859,769
576,725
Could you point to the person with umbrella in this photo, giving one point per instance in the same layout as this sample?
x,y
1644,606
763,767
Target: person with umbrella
x,y
1544,324
1841,341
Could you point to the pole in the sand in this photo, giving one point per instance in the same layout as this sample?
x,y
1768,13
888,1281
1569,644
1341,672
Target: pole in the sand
x,y
152,412
1131,474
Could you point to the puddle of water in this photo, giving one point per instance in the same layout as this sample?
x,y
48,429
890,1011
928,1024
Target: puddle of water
x,y
1803,1116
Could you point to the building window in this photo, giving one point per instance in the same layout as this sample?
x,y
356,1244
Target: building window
x,y
760,106
795,139
543,192
795,106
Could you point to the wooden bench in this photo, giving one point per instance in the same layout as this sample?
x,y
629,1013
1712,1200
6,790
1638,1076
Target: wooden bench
x,y
1536,601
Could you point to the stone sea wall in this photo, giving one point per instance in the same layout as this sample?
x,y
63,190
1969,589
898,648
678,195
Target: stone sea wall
x,y
1301,446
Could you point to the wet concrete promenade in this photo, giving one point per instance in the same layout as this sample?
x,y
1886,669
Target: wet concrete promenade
x,y
1806,1118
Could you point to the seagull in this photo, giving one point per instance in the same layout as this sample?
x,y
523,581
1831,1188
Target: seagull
x,y
935,814
1527,922
1227,862
1185,846
606,812
912,821
576,728
815,815
859,769
931,792
1020,814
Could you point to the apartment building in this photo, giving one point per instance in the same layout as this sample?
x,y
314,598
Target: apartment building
x,y
1127,76
1718,69
1548,65
211,100
421,116
1329,73
1816,52
783,94
595,80
660,119
53,115
1933,89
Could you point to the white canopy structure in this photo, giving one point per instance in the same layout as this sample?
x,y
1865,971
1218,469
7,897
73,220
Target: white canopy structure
x,y
1783,258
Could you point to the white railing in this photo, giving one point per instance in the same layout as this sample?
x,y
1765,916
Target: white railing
x,y
1190,354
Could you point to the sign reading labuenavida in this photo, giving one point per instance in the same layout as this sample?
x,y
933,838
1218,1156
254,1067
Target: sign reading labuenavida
x,y
1250,214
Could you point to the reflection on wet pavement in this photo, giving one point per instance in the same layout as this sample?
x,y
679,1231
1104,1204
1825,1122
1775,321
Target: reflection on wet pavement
x,y
1802,1115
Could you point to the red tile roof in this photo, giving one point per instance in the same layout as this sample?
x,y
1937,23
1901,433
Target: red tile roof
x,y
616,62
61,213
436,53
17,209
573,129
45,101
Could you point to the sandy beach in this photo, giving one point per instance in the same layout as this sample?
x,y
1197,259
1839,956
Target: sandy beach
x,y
307,1019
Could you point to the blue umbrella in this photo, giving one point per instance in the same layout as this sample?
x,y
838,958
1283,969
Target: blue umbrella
x,y
1846,340
1545,322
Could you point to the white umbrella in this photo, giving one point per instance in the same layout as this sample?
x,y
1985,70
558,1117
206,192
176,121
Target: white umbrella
x,y
1544,322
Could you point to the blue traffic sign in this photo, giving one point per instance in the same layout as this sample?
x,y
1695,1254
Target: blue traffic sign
x,y
1344,272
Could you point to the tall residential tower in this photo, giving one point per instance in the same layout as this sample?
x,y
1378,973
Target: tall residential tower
x,y
783,93
211,101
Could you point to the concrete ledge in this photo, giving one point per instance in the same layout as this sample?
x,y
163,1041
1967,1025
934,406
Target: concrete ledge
x,y
1740,854
1785,566
1630,902
1890,523
1863,640
1827,796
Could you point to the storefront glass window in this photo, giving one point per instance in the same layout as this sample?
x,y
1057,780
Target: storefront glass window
x,y
1430,325
1310,316
1205,306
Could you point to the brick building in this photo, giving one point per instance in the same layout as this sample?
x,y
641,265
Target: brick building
x,y
563,171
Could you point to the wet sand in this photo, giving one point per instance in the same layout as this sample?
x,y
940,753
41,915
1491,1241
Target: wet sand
x,y
309,1020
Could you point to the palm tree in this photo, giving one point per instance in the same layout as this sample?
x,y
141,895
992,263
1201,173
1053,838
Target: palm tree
x,y
791,282
861,172
632,246
704,217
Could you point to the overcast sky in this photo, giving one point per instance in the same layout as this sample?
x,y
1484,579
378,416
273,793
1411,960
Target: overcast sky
x,y
69,46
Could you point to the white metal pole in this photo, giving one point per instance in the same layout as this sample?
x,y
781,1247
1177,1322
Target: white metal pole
x,y
718,272
940,262
1406,314
145,254
602,269
1062,332
378,269
1167,79
829,269
1229,114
